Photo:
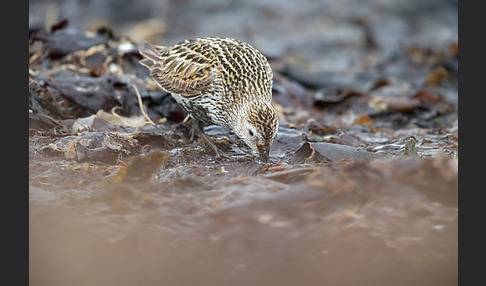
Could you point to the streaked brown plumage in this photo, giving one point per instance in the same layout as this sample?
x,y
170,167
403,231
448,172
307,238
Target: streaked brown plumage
x,y
219,81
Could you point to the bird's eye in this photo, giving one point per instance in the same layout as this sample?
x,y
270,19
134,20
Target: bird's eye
x,y
251,133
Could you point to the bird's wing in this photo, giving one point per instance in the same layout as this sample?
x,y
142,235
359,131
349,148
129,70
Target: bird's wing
x,y
181,69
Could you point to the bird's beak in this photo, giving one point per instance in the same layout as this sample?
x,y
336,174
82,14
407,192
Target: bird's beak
x,y
264,153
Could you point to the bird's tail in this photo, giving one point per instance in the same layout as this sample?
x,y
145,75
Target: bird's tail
x,y
150,53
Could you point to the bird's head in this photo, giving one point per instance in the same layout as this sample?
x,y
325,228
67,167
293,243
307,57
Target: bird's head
x,y
258,127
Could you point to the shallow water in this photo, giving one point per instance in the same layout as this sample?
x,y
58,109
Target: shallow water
x,y
219,221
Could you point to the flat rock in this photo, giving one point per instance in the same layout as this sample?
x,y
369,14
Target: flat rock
x,y
327,152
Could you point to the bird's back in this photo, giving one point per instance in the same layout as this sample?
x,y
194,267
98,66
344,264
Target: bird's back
x,y
232,69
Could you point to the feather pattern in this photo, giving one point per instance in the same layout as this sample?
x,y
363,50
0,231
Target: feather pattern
x,y
219,81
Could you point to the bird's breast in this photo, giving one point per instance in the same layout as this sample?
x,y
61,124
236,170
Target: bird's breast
x,y
207,108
